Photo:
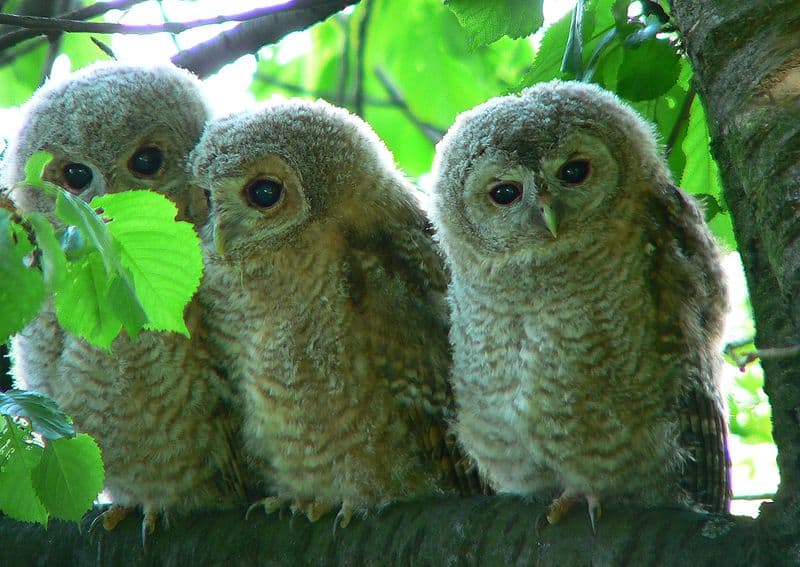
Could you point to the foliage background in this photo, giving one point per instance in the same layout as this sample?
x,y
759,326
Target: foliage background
x,y
410,67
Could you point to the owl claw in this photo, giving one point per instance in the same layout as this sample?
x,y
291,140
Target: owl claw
x,y
343,517
112,517
269,505
559,508
149,523
313,509
594,511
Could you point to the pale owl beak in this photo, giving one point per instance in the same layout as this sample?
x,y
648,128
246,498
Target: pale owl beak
x,y
549,215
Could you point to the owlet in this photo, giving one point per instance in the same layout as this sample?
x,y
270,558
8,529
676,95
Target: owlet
x,y
587,305
155,406
331,312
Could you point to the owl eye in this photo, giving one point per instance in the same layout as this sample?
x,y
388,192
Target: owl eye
x,y
77,175
146,161
574,172
505,193
264,193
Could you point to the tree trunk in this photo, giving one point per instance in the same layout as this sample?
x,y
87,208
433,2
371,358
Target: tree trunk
x,y
746,62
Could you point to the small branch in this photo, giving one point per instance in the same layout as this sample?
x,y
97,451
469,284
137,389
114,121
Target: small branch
x,y
77,26
363,27
53,47
681,120
765,496
431,132
98,9
209,57
165,19
300,90
344,62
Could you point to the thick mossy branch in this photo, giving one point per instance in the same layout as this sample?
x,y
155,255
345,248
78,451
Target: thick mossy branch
x,y
474,531
746,60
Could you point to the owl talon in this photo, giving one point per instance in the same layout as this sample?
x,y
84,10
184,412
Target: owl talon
x,y
149,522
559,508
595,511
343,517
313,510
269,504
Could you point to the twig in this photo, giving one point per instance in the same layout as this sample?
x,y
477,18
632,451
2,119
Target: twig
x,y
305,91
433,133
766,496
98,9
166,19
209,57
78,26
682,118
774,353
344,62
12,55
53,47
363,27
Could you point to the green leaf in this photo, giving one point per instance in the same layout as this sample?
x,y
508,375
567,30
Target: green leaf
x,y
21,287
34,170
162,255
701,174
81,302
547,64
18,499
488,20
46,418
69,476
54,261
648,71
573,54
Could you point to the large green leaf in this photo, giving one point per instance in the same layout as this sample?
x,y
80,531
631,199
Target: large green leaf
x,y
18,499
489,20
648,70
46,418
162,255
21,287
69,476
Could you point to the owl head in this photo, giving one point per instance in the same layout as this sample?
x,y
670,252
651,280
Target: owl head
x,y
526,176
112,127
276,170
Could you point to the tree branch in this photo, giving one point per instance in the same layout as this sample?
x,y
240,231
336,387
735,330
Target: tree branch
x,y
98,9
363,29
431,132
78,26
445,531
209,57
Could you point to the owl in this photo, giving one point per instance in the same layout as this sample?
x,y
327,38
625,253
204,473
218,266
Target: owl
x,y
587,304
331,314
158,407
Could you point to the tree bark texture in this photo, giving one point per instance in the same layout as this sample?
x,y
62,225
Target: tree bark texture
x,y
476,531
746,62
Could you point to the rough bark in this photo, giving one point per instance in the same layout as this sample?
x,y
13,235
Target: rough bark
x,y
453,532
746,61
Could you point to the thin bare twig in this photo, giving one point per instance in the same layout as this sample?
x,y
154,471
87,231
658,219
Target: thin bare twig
x,y
363,28
248,37
305,91
774,353
431,132
765,496
78,26
13,38
344,62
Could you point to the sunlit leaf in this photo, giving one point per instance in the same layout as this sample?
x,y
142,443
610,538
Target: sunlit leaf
x,y
18,499
489,20
46,418
69,476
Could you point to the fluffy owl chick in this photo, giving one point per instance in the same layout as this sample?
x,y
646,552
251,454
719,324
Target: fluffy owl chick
x,y
587,303
153,405
331,309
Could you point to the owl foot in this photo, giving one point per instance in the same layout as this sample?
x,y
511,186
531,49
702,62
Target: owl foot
x,y
313,509
564,504
149,523
269,505
344,516
113,516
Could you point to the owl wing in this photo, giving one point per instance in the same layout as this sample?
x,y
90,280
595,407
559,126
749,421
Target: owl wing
x,y
396,273
689,289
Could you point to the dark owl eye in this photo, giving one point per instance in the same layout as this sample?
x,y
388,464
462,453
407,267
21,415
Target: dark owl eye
x,y
146,161
264,193
505,193
574,172
77,175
